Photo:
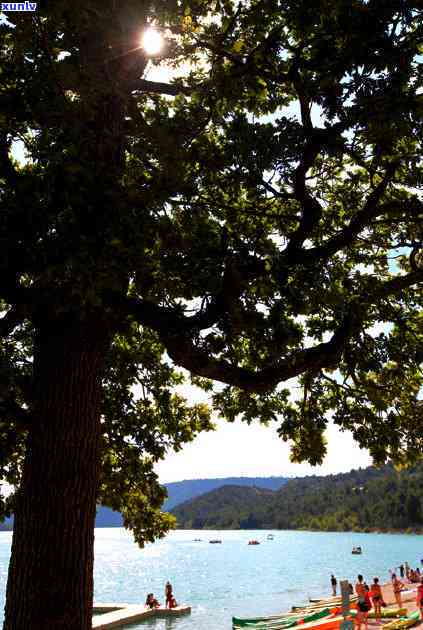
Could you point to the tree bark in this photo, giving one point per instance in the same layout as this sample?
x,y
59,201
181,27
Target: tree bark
x,y
50,582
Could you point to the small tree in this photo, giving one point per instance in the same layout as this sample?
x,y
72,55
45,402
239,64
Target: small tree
x,y
244,219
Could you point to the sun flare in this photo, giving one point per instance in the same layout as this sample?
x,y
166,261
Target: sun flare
x,y
151,41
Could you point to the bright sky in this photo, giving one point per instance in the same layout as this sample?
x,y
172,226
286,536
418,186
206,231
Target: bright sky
x,y
239,450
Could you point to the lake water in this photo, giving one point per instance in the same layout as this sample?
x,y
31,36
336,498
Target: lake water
x,y
233,578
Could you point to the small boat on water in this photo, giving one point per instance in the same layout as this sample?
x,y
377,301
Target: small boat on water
x,y
356,550
215,541
253,542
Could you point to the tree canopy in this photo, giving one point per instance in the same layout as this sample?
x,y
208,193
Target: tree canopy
x,y
259,225
256,218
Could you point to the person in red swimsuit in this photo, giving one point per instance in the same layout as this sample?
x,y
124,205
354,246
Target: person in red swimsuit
x,y
377,598
151,601
363,604
170,600
397,587
419,600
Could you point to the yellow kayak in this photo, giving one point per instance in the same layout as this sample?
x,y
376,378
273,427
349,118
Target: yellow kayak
x,y
403,622
389,612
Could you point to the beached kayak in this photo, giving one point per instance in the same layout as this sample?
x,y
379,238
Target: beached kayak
x,y
334,607
287,620
335,599
329,623
386,613
403,622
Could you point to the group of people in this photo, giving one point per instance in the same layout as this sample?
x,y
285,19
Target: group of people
x,y
414,575
372,596
368,597
152,602
398,586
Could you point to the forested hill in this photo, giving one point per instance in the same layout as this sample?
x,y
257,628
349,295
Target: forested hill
x,y
178,492
366,500
181,491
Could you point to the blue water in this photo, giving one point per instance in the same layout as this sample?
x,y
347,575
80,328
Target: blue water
x,y
219,581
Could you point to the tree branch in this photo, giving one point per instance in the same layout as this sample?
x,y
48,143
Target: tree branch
x,y
173,329
346,236
184,353
155,87
311,209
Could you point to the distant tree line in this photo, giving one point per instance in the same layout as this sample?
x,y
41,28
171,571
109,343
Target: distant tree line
x,y
362,500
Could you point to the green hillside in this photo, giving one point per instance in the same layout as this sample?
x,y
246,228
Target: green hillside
x,y
362,500
178,492
181,491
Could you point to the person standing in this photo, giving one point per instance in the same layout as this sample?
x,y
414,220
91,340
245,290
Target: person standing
x,y
397,587
333,584
168,594
419,600
377,599
363,604
360,589
401,568
170,599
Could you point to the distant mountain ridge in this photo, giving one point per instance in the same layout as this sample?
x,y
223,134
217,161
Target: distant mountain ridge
x,y
179,492
368,499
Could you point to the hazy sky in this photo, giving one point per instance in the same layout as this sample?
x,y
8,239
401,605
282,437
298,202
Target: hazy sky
x,y
251,451
241,450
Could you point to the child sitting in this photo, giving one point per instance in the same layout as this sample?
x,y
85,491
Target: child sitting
x,y
151,601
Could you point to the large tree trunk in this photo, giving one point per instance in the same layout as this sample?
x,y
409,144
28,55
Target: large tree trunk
x,y
50,583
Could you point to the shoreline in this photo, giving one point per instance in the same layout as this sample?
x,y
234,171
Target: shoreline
x,y
408,531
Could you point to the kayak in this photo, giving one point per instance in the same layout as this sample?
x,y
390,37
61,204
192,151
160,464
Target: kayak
x,y
328,623
387,613
287,620
331,600
300,616
334,607
403,622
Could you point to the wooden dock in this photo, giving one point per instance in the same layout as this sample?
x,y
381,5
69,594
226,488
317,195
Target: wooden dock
x,y
118,615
